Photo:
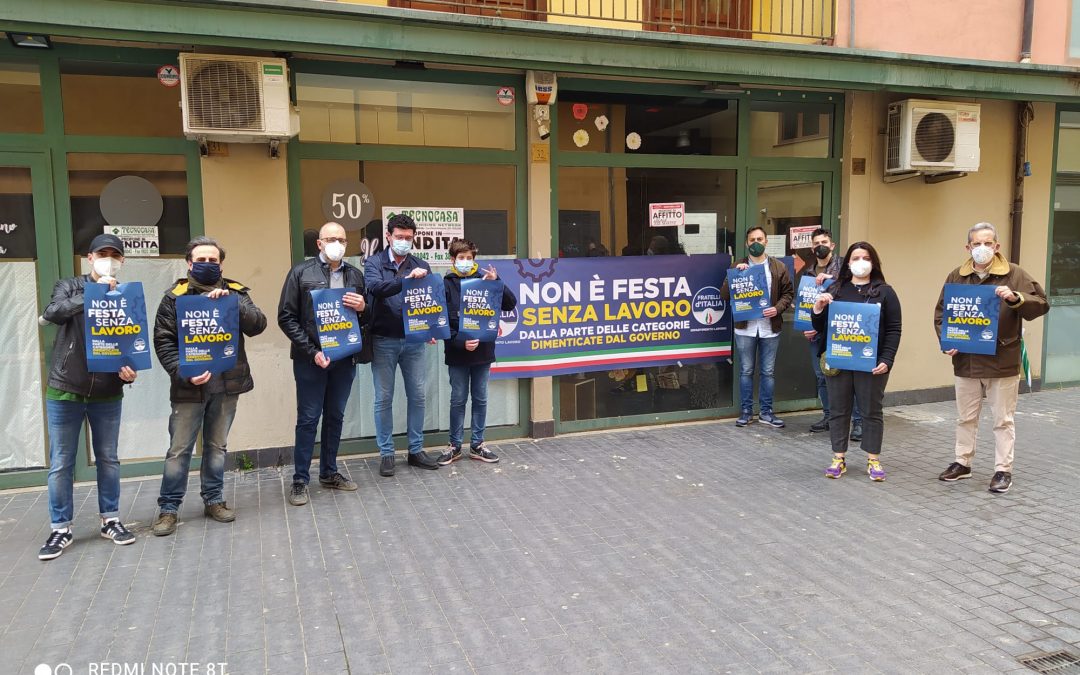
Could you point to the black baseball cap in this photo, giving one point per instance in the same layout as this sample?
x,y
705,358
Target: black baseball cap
x,y
106,241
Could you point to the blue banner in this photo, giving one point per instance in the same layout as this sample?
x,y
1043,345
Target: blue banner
x,y
117,333
969,323
481,304
749,292
585,314
338,326
852,342
805,298
423,309
208,332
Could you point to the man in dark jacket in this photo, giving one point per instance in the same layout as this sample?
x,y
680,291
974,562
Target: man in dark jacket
x,y
383,273
322,386
75,395
995,376
206,402
756,341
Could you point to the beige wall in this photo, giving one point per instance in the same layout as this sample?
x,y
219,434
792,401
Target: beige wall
x,y
541,402
919,229
246,208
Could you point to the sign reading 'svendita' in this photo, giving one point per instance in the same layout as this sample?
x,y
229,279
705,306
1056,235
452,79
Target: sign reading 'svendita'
x,y
116,328
749,292
481,303
423,309
209,333
969,322
338,326
852,343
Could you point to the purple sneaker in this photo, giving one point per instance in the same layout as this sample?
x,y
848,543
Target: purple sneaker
x,y
837,468
873,467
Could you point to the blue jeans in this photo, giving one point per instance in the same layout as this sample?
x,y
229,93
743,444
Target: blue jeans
x,y
320,392
752,350
65,421
389,353
214,417
822,380
464,379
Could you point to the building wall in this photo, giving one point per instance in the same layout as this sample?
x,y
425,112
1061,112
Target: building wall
x,y
919,229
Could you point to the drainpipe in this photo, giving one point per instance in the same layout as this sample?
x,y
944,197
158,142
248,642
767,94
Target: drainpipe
x,y
1025,114
1025,43
851,22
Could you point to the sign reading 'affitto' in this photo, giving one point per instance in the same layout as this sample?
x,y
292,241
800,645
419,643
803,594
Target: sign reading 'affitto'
x,y
667,214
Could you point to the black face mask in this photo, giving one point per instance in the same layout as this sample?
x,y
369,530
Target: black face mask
x,y
206,273
822,251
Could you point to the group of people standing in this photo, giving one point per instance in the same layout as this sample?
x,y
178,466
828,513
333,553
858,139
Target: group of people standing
x,y
853,399
207,403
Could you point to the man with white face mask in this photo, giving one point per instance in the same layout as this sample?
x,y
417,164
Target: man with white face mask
x,y
322,386
74,396
995,376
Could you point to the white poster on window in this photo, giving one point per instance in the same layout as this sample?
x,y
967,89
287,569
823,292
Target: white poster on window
x,y
435,229
801,236
667,214
140,241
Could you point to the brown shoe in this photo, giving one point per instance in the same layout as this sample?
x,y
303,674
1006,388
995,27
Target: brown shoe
x,y
165,524
220,512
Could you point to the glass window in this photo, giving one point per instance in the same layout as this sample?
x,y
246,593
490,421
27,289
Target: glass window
x,y
118,99
371,111
605,211
1065,247
20,94
783,129
640,123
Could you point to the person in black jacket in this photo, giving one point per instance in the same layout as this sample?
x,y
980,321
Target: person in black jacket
x,y
469,361
861,280
74,395
322,386
206,402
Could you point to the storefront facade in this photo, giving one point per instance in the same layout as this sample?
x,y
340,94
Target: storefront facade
x,y
793,142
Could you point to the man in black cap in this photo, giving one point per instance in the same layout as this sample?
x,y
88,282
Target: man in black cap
x,y
75,395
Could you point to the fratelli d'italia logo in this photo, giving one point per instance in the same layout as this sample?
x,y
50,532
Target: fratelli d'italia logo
x,y
708,306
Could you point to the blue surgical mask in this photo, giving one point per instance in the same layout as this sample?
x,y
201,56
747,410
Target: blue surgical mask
x,y
464,266
401,246
206,273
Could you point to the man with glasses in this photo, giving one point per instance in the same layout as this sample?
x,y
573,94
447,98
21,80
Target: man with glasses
x,y
383,273
322,386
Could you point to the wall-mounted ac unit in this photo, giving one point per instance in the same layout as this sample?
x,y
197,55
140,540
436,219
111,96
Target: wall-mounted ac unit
x,y
932,137
235,99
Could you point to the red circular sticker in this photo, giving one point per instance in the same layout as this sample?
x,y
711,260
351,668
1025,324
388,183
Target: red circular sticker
x,y
168,75
580,110
505,95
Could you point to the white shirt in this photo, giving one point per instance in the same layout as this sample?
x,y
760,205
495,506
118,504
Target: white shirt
x,y
760,327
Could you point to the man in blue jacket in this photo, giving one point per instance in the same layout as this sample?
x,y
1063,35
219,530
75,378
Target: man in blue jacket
x,y
383,273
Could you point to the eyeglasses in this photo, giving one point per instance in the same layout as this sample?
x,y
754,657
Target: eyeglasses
x,y
335,240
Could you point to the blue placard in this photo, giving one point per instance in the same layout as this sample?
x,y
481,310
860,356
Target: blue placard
x,y
337,325
969,321
208,331
805,299
117,334
423,309
749,292
852,343
481,304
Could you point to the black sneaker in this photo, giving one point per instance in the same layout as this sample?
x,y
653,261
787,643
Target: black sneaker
x,y
298,496
55,544
337,481
451,454
422,460
955,471
481,453
115,530
745,418
821,425
1001,482
856,432
386,466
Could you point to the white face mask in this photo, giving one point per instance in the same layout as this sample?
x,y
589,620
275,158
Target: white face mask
x,y
107,267
334,251
982,254
860,268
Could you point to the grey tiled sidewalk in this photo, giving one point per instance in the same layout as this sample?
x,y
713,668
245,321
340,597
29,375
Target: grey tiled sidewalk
x,y
682,549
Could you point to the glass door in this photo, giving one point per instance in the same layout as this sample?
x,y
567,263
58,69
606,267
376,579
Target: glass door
x,y
789,205
27,270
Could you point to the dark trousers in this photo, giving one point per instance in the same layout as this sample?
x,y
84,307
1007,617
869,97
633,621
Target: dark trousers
x,y
320,392
846,389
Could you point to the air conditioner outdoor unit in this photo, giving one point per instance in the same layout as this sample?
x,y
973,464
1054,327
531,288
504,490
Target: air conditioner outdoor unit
x,y
932,137
236,99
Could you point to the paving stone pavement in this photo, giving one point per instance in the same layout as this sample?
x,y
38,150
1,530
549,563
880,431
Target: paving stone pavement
x,y
676,549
